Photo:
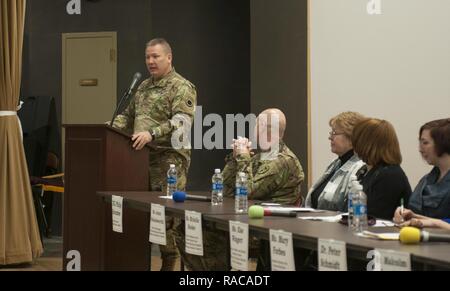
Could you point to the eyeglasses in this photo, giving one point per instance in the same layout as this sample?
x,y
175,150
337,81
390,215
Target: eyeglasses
x,y
335,133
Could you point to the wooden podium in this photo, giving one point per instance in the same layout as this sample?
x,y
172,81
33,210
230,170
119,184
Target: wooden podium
x,y
98,157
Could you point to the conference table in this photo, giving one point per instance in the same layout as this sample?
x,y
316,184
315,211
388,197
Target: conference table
x,y
305,233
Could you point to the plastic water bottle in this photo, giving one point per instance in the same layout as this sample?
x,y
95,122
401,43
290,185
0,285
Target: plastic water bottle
x,y
217,188
360,210
171,180
351,190
241,199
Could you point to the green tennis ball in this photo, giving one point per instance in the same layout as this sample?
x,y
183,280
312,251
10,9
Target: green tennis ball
x,y
256,211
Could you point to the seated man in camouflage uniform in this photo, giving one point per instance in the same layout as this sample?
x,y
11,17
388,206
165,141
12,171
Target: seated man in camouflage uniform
x,y
164,105
274,175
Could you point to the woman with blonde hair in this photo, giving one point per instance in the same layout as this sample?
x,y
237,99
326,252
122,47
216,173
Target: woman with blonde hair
x,y
330,191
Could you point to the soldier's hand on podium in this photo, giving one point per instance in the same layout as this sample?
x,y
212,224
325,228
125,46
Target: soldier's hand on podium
x,y
141,139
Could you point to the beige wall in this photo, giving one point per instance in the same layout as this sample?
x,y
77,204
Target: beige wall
x,y
394,66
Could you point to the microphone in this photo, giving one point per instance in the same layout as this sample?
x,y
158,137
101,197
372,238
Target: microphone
x,y
125,96
135,81
182,196
412,235
257,211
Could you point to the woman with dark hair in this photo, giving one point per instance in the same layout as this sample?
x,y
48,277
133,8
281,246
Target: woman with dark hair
x,y
383,180
431,197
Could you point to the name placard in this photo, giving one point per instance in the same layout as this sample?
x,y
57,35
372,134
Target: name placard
x,y
158,225
239,245
281,250
193,232
332,255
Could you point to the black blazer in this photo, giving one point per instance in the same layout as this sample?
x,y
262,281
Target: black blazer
x,y
385,186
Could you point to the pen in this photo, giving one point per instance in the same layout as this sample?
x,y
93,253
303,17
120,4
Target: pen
x,y
401,207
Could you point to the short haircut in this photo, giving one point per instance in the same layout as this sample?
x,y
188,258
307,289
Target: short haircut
x,y
162,42
347,121
440,133
269,123
376,143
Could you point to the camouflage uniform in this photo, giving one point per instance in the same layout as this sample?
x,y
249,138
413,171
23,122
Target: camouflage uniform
x,y
271,178
274,178
162,107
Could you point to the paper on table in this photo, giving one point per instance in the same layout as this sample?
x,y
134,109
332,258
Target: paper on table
x,y
166,197
380,236
384,223
270,204
296,209
336,218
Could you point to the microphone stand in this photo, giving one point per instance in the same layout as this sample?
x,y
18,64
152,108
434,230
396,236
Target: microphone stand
x,y
122,100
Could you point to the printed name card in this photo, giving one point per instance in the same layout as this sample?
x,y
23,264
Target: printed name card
x,y
158,224
332,255
387,260
117,203
281,250
193,231
239,245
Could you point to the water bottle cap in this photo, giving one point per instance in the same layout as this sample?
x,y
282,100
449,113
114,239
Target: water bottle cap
x,y
217,171
172,166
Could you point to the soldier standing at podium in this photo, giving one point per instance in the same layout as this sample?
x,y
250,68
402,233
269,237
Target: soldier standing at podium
x,y
162,113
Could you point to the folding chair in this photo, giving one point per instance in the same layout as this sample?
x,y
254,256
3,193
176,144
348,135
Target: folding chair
x,y
53,183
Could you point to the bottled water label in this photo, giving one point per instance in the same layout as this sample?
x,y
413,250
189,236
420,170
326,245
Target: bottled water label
x,y
217,186
241,191
359,210
171,180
